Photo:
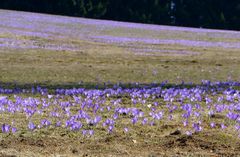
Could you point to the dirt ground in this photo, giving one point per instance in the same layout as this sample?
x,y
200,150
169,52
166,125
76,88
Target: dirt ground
x,y
174,144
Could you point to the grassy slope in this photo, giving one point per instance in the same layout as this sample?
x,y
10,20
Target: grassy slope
x,y
92,60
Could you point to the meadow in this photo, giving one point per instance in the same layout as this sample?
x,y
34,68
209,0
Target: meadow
x,y
84,87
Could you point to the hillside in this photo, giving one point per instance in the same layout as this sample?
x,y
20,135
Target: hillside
x,y
57,49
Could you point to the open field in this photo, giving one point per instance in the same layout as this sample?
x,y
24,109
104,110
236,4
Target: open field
x,y
55,49
104,90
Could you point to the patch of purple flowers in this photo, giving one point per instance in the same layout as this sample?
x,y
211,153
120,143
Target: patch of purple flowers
x,y
87,110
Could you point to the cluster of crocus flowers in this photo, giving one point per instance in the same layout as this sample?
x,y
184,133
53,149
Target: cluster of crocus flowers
x,y
210,105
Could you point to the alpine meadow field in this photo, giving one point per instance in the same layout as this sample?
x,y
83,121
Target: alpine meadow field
x,y
84,87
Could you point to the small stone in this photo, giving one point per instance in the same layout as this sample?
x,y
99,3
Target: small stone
x,y
176,132
74,151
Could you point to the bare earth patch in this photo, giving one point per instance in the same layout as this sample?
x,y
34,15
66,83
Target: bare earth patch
x,y
120,145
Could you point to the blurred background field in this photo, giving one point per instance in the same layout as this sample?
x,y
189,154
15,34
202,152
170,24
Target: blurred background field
x,y
37,48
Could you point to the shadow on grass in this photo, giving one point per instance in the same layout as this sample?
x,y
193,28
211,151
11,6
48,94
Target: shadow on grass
x,y
104,85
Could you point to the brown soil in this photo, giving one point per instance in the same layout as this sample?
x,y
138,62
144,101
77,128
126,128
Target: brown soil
x,y
174,144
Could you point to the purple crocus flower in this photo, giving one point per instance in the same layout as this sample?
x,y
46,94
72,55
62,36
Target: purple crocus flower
x,y
220,99
110,129
189,133
31,126
91,132
126,130
84,132
108,108
58,124
50,96
186,115
97,119
76,126
14,130
5,128
155,104
237,127
152,123
185,123
115,116
134,120
197,127
45,122
144,121
208,100
212,124
223,126
197,114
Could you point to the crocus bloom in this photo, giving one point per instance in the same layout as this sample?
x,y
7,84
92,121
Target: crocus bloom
x,y
84,132
5,128
14,130
212,124
31,126
110,128
91,132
